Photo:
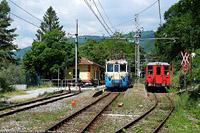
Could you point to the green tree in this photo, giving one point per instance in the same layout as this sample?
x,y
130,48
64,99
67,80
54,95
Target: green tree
x,y
49,54
6,35
50,23
182,21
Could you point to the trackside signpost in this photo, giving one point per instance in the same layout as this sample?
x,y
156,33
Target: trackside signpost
x,y
184,63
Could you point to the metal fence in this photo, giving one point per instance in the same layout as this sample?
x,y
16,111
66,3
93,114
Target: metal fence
x,y
65,82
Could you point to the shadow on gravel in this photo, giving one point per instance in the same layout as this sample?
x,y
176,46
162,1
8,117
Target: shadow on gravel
x,y
156,89
116,89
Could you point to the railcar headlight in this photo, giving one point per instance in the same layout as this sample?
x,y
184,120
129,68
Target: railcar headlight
x,y
122,77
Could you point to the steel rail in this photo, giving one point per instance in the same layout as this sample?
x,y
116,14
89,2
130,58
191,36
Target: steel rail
x,y
60,123
139,118
90,123
36,105
163,122
34,101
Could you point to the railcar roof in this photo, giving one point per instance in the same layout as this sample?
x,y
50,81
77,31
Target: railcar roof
x,y
118,61
158,63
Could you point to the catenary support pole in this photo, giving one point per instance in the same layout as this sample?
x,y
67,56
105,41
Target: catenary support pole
x,y
76,49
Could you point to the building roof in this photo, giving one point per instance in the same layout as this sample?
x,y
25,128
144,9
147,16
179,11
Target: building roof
x,y
157,63
85,61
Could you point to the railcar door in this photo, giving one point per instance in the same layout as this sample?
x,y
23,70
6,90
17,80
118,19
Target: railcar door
x,y
159,75
116,72
166,74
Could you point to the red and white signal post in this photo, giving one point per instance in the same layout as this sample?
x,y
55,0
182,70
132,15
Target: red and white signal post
x,y
184,63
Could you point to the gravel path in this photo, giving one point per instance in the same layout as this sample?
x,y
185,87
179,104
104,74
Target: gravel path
x,y
37,92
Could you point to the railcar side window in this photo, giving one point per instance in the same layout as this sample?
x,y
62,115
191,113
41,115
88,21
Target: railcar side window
x,y
116,68
158,71
122,68
110,68
150,70
166,70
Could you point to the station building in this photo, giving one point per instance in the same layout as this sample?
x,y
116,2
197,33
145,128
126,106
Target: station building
x,y
86,70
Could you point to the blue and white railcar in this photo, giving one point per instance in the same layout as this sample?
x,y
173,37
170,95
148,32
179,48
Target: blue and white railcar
x,y
117,74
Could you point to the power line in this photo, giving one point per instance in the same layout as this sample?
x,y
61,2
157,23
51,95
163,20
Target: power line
x,y
147,8
102,16
105,13
114,26
127,20
24,20
96,16
25,10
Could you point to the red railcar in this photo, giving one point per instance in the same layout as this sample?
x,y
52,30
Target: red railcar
x,y
158,74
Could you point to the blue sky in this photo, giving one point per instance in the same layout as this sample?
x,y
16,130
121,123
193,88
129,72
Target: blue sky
x,y
68,11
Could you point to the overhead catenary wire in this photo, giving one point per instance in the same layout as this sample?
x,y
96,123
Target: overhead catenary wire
x,y
24,20
97,16
147,8
105,13
102,17
25,10
128,21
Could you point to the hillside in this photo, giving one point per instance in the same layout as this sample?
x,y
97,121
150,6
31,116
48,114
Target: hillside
x,y
146,44
21,53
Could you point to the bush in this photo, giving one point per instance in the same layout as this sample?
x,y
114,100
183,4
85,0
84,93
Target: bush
x,y
13,74
5,86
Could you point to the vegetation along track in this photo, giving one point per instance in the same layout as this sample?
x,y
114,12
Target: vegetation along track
x,y
81,120
148,121
28,105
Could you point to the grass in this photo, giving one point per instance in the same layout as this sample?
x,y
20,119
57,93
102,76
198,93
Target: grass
x,y
43,85
186,116
12,93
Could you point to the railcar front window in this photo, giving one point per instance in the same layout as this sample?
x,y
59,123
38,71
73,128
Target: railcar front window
x,y
150,70
110,68
166,70
158,72
116,68
122,68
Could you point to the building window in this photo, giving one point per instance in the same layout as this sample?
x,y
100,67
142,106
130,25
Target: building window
x,y
78,73
150,70
158,71
122,68
166,70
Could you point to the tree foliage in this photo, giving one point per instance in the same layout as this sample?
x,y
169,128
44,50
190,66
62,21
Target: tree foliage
x,y
51,53
50,23
14,74
100,51
7,35
182,21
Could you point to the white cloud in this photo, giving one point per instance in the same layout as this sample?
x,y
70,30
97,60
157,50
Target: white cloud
x,y
24,42
68,11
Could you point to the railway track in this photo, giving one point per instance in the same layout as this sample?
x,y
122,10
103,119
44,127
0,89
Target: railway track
x,y
129,127
83,119
32,104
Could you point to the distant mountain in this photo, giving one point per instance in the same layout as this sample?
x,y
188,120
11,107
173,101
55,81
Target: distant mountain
x,y
21,53
146,44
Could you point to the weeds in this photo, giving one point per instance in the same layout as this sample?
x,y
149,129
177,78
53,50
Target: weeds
x,y
12,93
186,108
